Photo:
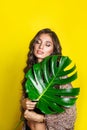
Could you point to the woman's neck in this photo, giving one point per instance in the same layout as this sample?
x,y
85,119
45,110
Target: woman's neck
x,y
39,60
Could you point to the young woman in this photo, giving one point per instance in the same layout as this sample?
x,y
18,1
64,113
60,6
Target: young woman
x,y
45,43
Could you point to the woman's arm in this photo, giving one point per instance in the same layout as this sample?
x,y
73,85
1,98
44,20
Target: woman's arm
x,y
29,113
33,116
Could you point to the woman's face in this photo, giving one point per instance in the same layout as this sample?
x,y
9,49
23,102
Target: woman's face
x,y
43,47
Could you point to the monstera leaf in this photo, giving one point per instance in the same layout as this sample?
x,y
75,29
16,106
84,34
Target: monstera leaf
x,y
42,79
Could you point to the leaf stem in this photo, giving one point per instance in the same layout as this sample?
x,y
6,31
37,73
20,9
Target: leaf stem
x,y
48,86
17,125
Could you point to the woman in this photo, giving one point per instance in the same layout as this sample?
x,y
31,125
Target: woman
x,y
45,43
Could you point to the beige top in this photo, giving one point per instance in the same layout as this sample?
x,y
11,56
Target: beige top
x,y
62,121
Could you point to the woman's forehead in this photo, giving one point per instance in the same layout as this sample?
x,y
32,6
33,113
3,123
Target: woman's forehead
x,y
44,36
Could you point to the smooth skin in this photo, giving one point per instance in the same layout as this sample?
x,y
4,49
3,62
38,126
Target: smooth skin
x,y
43,47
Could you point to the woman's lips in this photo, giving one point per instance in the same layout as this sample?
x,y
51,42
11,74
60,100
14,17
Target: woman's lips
x,y
40,52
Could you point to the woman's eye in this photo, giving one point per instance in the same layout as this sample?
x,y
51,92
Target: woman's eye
x,y
37,42
48,45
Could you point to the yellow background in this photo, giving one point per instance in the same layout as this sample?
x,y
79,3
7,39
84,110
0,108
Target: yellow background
x,y
19,22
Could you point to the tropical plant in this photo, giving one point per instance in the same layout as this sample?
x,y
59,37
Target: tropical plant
x,y
41,80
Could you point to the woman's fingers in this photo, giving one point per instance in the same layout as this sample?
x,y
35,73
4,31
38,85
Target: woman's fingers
x,y
28,104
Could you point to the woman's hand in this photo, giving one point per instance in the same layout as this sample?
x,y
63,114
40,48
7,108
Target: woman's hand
x,y
28,104
33,116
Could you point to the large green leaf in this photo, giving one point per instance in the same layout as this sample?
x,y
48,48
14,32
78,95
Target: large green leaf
x,y
42,79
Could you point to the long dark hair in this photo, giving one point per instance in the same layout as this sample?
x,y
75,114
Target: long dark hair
x,y
31,58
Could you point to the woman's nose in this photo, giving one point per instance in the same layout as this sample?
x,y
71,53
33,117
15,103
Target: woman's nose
x,y
41,46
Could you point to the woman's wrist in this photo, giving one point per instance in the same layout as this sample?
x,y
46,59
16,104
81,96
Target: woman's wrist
x,y
40,118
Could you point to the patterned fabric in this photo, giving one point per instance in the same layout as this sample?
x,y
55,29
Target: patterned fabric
x,y
63,121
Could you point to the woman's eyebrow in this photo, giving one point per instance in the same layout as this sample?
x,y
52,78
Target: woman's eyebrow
x,y
38,39
49,41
